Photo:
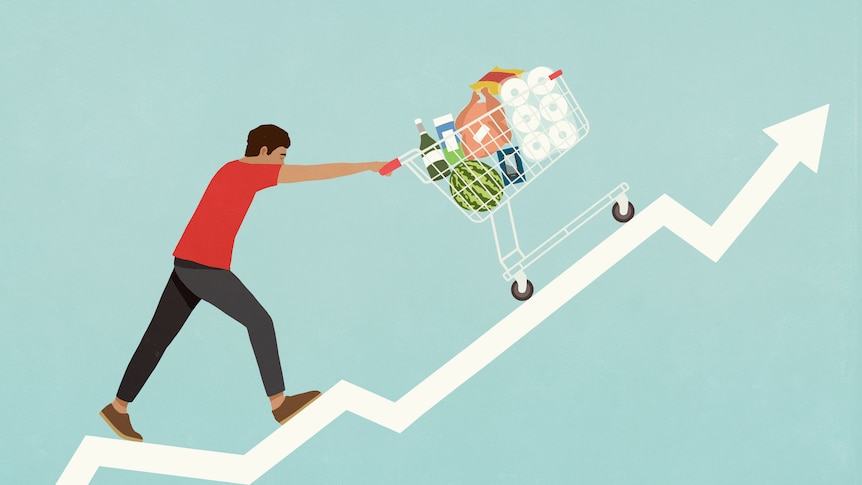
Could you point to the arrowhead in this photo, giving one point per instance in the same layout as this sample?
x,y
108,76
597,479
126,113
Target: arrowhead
x,y
802,136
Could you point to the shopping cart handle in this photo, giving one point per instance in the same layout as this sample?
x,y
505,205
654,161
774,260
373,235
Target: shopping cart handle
x,y
389,167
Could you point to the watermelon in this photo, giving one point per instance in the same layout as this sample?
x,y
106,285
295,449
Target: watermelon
x,y
475,186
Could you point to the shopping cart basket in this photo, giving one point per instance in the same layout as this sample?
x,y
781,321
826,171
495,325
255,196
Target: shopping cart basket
x,y
510,146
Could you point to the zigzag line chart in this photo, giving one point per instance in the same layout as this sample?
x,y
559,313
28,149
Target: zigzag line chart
x,y
799,140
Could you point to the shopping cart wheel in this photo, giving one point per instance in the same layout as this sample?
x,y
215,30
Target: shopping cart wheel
x,y
620,217
522,295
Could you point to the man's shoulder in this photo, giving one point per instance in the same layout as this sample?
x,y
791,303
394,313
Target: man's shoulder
x,y
246,166
239,171
232,166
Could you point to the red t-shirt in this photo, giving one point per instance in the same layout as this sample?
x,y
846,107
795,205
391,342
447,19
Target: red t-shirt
x,y
209,236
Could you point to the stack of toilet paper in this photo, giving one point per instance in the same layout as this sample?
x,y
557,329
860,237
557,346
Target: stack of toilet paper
x,y
539,114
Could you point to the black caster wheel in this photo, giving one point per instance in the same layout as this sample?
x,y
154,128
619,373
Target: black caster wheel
x,y
623,218
526,294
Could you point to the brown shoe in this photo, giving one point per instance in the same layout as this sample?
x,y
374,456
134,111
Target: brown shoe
x,y
120,423
293,405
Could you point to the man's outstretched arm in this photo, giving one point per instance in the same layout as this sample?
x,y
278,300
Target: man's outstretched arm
x,y
303,173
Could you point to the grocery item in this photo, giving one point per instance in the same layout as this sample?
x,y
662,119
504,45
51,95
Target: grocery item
x,y
514,91
432,154
540,82
526,118
483,126
451,144
511,165
563,135
475,186
553,107
495,78
536,146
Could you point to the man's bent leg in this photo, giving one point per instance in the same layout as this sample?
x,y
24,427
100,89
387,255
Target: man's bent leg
x,y
174,308
225,291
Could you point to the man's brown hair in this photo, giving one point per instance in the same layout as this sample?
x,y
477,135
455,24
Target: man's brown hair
x,y
269,136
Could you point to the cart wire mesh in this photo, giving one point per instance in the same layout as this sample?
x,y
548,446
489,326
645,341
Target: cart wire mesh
x,y
536,122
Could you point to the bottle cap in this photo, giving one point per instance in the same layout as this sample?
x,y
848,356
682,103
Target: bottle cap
x,y
420,126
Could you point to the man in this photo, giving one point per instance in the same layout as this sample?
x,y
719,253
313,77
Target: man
x,y
202,272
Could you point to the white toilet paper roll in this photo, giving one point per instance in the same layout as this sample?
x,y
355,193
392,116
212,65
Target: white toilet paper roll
x,y
540,81
535,146
526,118
514,91
554,107
563,135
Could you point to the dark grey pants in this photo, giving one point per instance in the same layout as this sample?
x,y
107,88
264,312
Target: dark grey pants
x,y
189,284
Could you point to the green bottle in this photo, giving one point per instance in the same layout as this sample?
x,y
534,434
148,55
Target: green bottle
x,y
432,154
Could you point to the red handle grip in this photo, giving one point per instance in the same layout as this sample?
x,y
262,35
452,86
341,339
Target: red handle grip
x,y
389,167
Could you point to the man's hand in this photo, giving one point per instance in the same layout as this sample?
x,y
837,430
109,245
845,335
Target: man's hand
x,y
376,166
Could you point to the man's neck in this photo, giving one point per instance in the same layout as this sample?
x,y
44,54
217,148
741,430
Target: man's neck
x,y
257,160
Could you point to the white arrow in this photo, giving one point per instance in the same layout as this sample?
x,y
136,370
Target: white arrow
x,y
799,140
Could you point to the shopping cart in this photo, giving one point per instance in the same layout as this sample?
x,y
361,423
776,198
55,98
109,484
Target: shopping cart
x,y
510,146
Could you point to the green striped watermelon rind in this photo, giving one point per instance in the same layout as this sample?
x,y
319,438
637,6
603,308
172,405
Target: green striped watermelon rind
x,y
475,186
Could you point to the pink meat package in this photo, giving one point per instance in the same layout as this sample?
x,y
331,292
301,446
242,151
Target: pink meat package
x,y
483,127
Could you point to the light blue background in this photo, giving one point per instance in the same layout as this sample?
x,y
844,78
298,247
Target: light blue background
x,y
668,369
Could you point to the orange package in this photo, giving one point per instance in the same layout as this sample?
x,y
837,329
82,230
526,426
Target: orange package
x,y
482,126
